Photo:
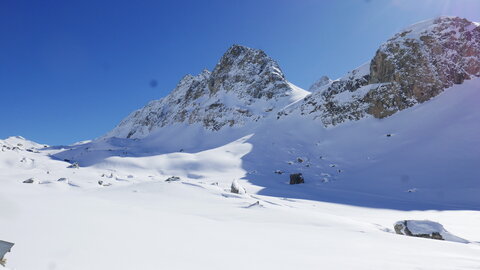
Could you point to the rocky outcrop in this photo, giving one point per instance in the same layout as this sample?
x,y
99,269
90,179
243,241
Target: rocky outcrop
x,y
296,178
245,86
424,59
29,181
410,68
249,73
237,188
425,229
403,228
172,179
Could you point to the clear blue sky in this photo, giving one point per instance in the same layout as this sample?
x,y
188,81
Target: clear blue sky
x,y
71,70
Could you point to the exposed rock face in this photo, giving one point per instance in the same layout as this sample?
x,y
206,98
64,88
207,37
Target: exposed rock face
x,y
246,85
338,101
412,67
250,73
426,58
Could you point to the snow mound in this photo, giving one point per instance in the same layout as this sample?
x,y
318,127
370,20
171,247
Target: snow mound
x,y
20,142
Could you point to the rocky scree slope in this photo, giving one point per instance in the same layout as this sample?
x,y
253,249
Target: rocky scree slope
x,y
410,68
246,85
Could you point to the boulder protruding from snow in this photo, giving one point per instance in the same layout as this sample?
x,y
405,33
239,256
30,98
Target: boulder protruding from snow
x,y
172,179
296,178
425,229
237,188
29,181
74,166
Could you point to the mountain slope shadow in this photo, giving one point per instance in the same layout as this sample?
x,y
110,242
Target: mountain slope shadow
x,y
412,160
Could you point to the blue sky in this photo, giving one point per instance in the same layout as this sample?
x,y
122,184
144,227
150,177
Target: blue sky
x,y
71,70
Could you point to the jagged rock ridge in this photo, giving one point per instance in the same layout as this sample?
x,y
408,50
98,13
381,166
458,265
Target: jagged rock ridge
x,y
410,68
246,85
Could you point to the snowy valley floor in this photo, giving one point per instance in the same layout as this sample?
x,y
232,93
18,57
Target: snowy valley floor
x,y
142,222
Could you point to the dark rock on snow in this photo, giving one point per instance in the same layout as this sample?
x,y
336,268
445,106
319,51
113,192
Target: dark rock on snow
x,y
172,179
296,178
29,181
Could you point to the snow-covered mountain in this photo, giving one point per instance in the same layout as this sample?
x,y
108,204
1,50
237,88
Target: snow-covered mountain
x,y
245,86
415,65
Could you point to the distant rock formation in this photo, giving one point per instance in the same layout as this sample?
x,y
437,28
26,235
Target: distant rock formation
x,y
410,68
320,83
247,86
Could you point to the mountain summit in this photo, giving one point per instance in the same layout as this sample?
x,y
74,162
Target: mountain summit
x,y
245,86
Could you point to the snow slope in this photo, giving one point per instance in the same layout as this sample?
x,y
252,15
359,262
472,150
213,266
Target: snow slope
x,y
424,157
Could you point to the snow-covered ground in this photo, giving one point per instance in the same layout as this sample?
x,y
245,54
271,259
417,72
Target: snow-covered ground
x,y
117,211
147,223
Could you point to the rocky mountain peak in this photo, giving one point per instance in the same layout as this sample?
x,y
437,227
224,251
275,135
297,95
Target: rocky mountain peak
x,y
320,83
245,86
248,71
413,66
